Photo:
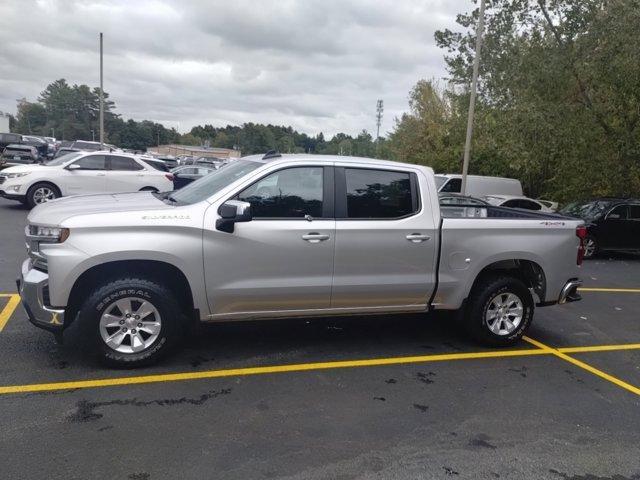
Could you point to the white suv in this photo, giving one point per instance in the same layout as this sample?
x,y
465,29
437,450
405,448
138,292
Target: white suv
x,y
81,173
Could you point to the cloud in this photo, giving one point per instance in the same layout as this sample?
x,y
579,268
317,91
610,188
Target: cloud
x,y
315,65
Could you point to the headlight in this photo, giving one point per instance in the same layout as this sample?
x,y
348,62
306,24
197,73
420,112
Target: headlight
x,y
48,234
15,175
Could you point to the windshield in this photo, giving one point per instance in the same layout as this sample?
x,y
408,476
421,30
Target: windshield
x,y
62,159
588,210
208,185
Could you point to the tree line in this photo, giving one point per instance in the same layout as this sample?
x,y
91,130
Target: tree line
x,y
71,112
558,105
558,101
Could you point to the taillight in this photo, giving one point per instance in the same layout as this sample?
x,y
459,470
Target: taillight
x,y
581,233
169,176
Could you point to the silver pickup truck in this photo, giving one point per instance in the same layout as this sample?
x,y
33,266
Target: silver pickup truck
x,y
288,236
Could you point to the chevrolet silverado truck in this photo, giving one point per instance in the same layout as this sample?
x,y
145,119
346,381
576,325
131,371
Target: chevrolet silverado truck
x,y
288,236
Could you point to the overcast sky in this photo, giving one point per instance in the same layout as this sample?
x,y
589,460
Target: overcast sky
x,y
314,65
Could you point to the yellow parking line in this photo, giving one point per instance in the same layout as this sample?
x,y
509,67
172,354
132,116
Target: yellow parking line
x,y
611,290
301,367
600,348
7,311
584,366
234,372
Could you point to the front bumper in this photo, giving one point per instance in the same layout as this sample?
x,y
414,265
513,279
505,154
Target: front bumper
x,y
12,196
33,286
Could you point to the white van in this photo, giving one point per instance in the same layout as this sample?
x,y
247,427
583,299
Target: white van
x,y
478,186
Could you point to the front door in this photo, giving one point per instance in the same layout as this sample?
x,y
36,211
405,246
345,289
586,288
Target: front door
x,y
614,229
89,178
282,260
385,240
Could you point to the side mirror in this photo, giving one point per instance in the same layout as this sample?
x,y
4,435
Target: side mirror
x,y
73,166
232,212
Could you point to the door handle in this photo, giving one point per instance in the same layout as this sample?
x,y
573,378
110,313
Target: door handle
x,y
315,237
417,237
100,174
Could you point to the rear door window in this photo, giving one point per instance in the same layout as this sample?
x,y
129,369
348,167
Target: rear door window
x,y
379,194
123,163
634,212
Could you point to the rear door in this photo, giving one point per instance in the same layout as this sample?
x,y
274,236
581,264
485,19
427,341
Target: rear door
x,y
89,178
386,239
634,227
124,174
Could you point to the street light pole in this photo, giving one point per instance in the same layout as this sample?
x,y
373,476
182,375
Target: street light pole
x,y
472,98
101,98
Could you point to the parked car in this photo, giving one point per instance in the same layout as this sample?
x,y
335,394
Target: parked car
x,y
81,173
41,145
185,175
65,150
287,236
513,201
91,146
18,154
613,224
478,186
548,203
9,139
171,162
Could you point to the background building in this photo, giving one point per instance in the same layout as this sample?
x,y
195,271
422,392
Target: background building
x,y
188,150
4,123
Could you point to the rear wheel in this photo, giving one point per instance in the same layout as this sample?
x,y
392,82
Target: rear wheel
x,y
131,322
499,311
41,193
590,246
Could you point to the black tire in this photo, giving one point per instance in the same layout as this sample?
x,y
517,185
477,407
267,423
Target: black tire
x,y
591,248
482,299
102,300
31,197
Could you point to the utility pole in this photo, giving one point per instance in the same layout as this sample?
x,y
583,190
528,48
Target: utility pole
x,y
53,132
379,110
472,98
101,98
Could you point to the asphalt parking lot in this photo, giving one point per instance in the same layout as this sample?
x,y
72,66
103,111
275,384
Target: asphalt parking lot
x,y
381,398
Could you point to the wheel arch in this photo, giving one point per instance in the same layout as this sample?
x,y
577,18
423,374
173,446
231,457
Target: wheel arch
x,y
528,271
156,270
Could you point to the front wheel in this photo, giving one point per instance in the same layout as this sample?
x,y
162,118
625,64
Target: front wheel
x,y
41,193
499,311
131,322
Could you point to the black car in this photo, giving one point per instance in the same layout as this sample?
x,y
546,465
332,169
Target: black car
x,y
41,145
19,154
185,175
613,224
8,139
